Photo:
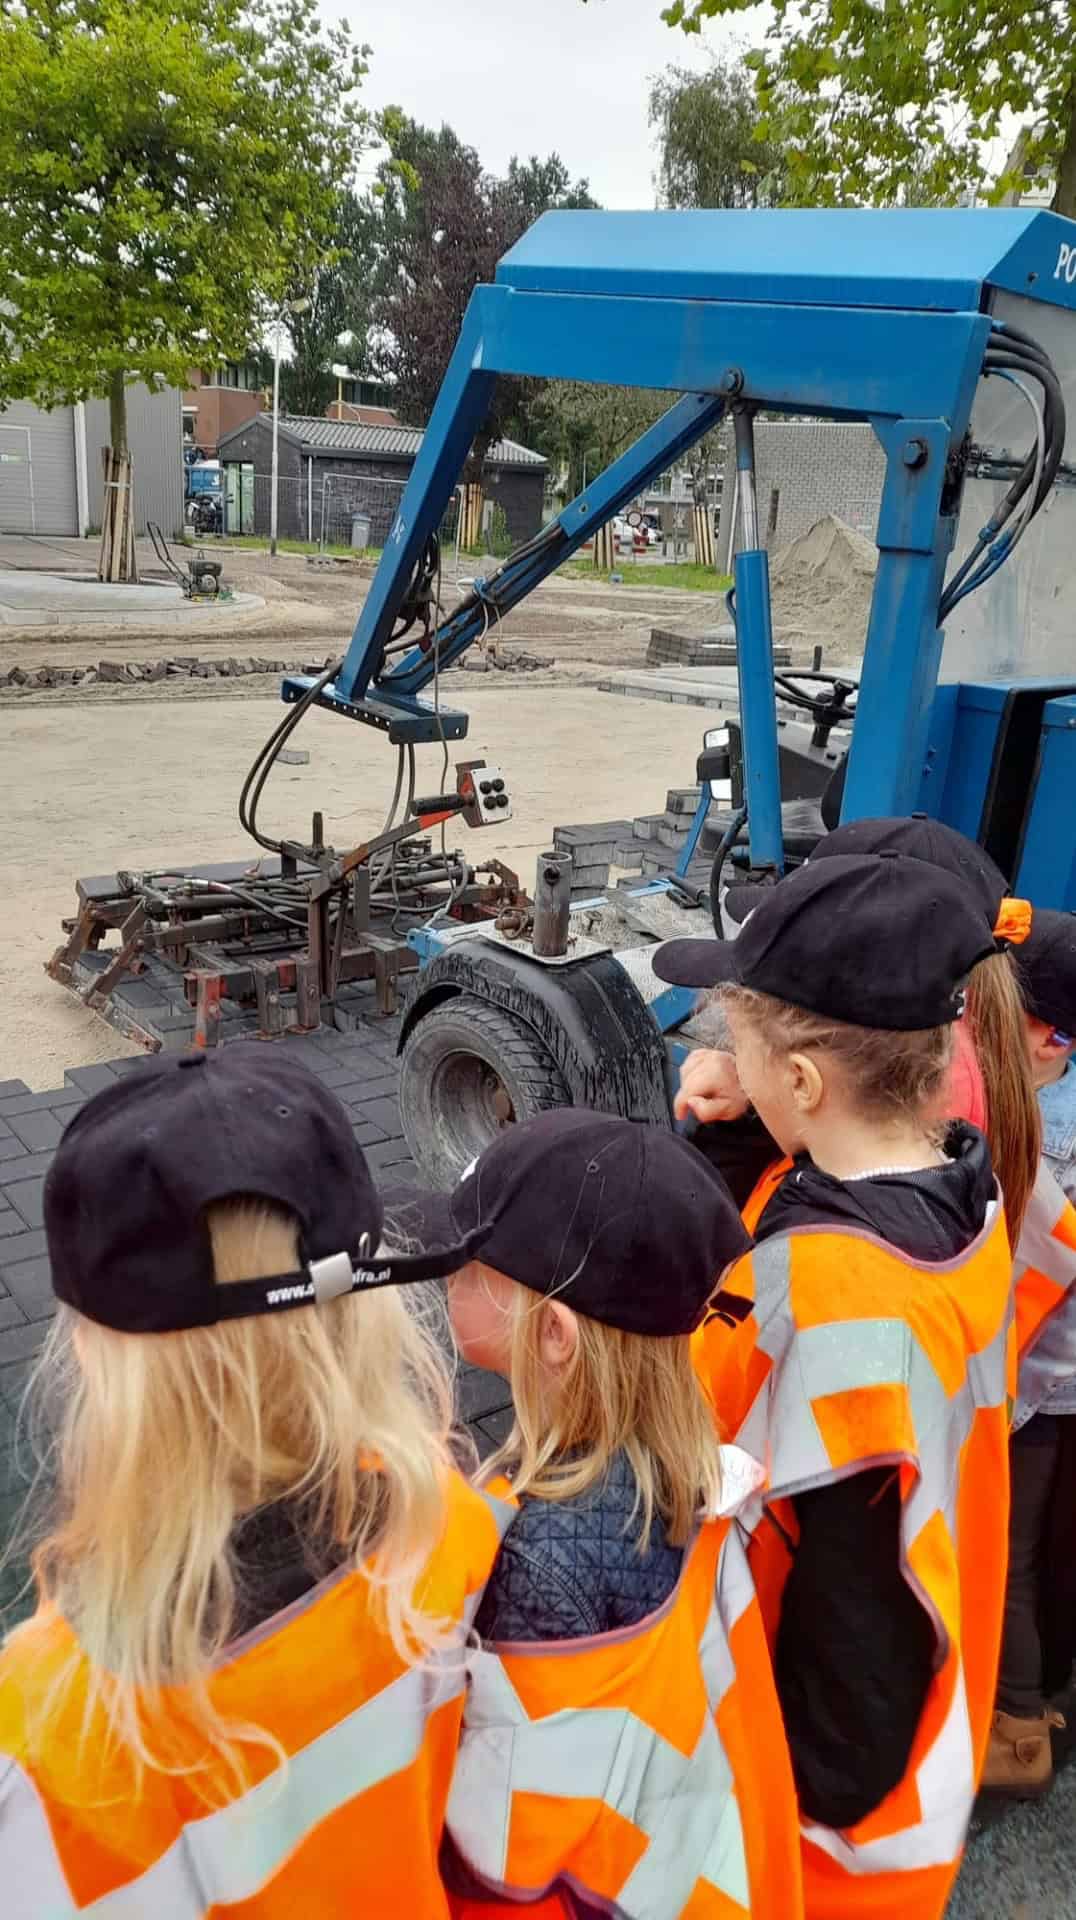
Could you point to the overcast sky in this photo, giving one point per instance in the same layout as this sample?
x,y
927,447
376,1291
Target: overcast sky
x,y
535,76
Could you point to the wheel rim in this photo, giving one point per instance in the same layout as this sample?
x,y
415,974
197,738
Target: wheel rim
x,y
471,1102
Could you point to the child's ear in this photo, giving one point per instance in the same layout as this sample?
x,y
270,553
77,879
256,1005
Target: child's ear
x,y
559,1335
805,1084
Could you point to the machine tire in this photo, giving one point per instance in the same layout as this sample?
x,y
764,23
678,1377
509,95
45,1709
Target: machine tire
x,y
468,1070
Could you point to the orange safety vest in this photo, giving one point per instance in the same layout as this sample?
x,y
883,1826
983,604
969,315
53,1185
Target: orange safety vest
x,y
352,1824
645,1770
856,1357
1044,1272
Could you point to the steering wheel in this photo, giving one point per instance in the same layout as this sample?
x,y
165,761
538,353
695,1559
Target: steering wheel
x,y
835,707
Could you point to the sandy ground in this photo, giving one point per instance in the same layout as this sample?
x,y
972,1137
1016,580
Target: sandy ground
x,y
137,783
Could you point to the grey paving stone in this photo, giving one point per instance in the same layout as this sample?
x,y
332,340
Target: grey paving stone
x,y
11,1224
393,1153
90,1079
29,1284
122,1067
368,1135
11,1149
26,1197
28,1167
11,1314
479,1393
8,1088
39,1131
25,1102
24,1246
380,1113
20,1343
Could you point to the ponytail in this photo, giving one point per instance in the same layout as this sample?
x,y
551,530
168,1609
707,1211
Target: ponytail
x,y
1013,1121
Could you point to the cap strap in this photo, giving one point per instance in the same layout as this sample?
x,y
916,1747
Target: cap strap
x,y
335,1276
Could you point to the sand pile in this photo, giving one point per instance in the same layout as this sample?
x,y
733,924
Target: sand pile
x,y
821,587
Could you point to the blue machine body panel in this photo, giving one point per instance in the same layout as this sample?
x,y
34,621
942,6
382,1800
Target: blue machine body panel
x,y
872,315
935,259
1047,870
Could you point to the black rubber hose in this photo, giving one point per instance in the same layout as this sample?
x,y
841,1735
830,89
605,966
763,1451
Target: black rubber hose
x,y
724,847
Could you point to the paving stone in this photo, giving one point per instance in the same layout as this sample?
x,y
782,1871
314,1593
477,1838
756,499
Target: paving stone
x,y
30,1287
368,1135
122,1067
380,1113
12,1106
20,1343
479,1392
24,1246
10,1148
90,1079
40,1132
27,1200
29,1167
11,1088
11,1314
491,1431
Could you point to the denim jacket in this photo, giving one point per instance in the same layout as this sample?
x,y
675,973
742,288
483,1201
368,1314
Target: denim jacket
x,y
1057,1104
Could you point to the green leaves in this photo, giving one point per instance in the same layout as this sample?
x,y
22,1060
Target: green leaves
x,y
713,151
894,101
167,172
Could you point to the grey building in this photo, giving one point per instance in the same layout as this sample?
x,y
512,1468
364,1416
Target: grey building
x,y
806,468
331,470
51,479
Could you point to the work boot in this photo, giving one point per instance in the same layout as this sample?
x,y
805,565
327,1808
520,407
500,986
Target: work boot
x,y
1018,1758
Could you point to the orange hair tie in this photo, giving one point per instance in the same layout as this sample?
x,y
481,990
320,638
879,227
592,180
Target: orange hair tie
x,y
1013,922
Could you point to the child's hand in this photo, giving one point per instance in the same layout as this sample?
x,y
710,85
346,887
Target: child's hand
x,y
710,1087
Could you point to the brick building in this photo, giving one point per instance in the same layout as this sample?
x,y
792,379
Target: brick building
x,y
217,402
807,468
331,470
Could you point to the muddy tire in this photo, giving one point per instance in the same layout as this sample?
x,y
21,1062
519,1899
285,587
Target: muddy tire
x,y
467,1071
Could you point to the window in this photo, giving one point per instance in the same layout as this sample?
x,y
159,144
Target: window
x,y
239,374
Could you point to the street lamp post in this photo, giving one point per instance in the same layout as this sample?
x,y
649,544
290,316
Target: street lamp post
x,y
289,306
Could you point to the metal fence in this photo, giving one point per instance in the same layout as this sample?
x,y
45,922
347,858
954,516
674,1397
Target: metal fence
x,y
334,510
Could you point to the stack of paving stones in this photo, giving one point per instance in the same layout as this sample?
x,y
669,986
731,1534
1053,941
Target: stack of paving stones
x,y
185,666
713,647
360,1067
593,850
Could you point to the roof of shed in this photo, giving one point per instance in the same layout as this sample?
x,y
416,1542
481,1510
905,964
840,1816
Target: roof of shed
x,y
316,435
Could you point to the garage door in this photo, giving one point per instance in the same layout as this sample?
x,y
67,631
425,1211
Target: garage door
x,y
37,470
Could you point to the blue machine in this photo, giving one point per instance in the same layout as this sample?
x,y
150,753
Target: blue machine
x,y
893,318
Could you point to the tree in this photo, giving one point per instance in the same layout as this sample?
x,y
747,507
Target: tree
x,y
899,104
168,170
339,292
444,224
711,151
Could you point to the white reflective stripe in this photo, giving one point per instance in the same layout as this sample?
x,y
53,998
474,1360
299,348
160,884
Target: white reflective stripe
x,y
34,1884
725,1865
230,1854
685,1805
946,1783
1037,1246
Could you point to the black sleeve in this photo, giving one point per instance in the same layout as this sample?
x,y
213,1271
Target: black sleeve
x,y
741,1150
855,1650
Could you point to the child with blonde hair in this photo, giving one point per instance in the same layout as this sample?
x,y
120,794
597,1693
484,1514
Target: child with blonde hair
x,y
622,1743
871,1367
244,1679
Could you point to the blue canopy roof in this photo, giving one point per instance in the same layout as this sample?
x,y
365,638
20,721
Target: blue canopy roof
x,y
939,259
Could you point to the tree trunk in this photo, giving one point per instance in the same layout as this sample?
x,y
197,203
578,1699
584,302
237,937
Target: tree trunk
x,y
1064,200
116,561
117,413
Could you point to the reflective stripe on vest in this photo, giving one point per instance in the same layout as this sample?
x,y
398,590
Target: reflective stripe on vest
x,y
1043,1274
857,1358
266,1842
644,1769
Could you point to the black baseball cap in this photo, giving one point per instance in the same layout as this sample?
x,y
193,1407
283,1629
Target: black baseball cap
x,y
1047,964
622,1221
922,838
128,1190
877,940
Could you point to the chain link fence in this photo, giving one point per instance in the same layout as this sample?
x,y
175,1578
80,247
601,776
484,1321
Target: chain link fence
x,y
333,510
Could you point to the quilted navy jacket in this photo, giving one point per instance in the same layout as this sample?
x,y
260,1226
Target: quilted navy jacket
x,y
569,1568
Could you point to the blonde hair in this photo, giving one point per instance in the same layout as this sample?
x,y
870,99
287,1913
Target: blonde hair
x,y
888,1075
166,1441
618,1393
1013,1116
